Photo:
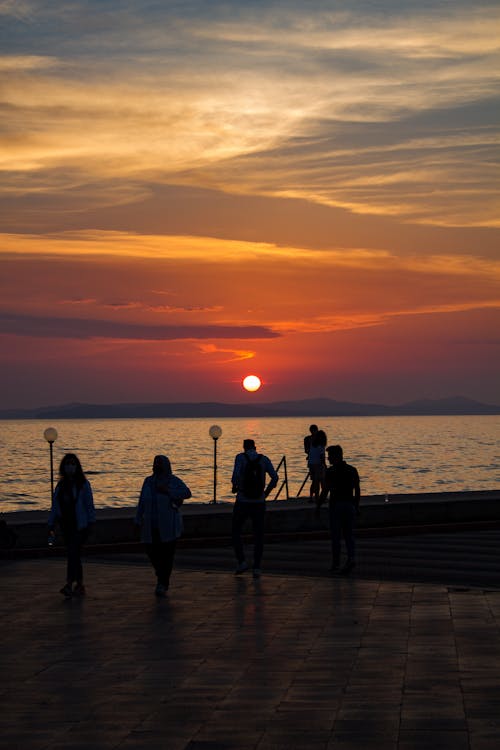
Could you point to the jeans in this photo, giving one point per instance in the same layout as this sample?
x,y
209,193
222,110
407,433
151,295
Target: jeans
x,y
342,522
161,555
256,512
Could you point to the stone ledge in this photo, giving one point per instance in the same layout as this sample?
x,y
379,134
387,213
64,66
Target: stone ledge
x,y
213,522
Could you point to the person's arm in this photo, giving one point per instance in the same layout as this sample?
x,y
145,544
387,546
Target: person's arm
x,y
357,491
325,490
139,515
235,479
54,509
178,491
272,474
89,502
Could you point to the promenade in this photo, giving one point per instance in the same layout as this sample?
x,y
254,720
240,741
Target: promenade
x,y
404,654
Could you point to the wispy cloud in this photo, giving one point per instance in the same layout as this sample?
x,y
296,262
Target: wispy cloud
x,y
235,355
79,328
253,289
264,103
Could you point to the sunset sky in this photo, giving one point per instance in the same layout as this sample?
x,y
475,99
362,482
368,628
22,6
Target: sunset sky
x,y
195,191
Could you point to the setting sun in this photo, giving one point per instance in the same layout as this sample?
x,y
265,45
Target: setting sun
x,y
252,383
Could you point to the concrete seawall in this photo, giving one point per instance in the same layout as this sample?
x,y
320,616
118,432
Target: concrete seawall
x,y
211,524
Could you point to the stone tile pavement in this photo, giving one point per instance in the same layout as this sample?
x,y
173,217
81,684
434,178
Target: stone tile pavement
x,y
228,662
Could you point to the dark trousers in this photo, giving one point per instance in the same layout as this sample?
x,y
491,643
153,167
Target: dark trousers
x,y
342,522
256,512
161,555
74,540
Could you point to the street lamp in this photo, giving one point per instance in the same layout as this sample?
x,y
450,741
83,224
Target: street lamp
x,y
215,432
50,436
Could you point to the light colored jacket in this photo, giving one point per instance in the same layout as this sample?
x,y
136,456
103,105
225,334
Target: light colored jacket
x,y
316,456
169,517
266,467
84,506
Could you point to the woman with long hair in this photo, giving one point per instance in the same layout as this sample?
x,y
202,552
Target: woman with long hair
x,y
73,509
160,520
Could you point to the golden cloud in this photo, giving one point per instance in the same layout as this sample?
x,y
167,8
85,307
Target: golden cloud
x,y
242,127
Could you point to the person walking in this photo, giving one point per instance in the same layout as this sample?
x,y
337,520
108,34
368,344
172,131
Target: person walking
x,y
249,485
73,509
342,489
159,519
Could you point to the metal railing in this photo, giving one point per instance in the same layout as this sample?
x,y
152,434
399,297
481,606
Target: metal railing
x,y
284,483
304,483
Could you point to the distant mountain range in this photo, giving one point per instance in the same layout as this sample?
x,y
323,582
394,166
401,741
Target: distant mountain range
x,y
321,407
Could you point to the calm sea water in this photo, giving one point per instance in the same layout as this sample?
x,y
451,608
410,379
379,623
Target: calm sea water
x,y
392,454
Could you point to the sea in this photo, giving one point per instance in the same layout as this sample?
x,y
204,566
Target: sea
x,y
392,454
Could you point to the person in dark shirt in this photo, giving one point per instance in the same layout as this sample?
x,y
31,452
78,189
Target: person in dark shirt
x,y
73,509
250,502
343,492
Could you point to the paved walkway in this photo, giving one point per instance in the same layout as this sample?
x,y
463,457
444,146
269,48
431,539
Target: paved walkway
x,y
229,662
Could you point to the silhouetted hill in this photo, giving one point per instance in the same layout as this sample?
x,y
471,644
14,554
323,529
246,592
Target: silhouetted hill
x,y
324,407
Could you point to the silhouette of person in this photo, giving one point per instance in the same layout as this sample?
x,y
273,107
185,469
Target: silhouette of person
x,y
307,440
249,485
343,490
316,463
160,520
73,509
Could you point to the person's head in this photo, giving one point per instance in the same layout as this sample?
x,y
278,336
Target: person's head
x,y
335,454
313,428
319,438
248,444
161,466
71,468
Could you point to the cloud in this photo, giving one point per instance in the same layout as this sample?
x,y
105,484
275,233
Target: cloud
x,y
262,101
354,320
162,309
10,63
235,355
18,9
79,328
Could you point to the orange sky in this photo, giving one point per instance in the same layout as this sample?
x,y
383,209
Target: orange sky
x,y
187,199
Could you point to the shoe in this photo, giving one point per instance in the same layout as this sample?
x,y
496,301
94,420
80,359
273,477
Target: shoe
x,y
241,568
67,591
347,567
257,572
160,590
79,590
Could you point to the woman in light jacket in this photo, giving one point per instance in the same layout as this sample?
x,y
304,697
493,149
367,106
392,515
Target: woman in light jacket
x,y
160,520
73,508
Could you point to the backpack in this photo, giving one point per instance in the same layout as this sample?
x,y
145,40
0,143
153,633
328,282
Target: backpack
x,y
253,483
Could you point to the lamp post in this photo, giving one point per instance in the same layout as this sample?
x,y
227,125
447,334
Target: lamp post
x,y
50,436
215,432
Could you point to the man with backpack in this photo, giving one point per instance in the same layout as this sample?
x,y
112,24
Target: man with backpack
x,y
249,485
